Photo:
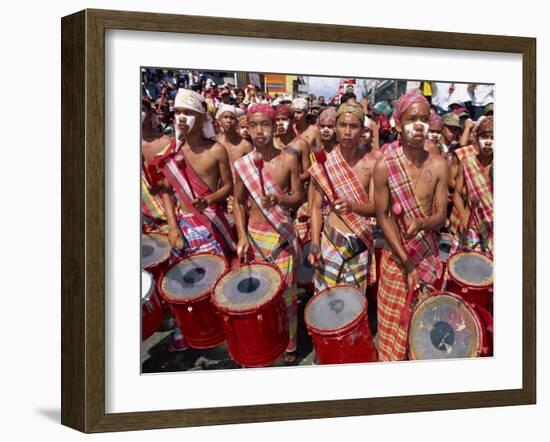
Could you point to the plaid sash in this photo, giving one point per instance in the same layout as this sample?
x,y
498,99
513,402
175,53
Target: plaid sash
x,y
479,187
422,249
347,187
182,177
276,216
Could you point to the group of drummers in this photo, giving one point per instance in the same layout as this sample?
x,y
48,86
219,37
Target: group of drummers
x,y
251,206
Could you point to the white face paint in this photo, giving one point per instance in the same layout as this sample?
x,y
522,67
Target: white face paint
x,y
327,132
410,128
285,125
486,143
433,136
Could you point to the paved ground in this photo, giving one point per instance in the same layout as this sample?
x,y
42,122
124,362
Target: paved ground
x,y
156,358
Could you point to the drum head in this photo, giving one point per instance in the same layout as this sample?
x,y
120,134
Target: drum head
x,y
335,308
472,269
147,285
444,245
192,277
248,287
304,272
444,327
155,249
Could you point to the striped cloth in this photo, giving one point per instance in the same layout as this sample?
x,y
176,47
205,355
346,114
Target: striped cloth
x,y
347,187
153,216
423,253
422,249
269,242
276,216
479,188
186,183
392,291
338,264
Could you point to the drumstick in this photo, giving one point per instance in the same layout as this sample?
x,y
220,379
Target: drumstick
x,y
475,203
259,163
163,94
321,158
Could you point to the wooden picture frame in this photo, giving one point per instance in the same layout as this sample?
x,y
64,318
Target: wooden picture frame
x,y
83,216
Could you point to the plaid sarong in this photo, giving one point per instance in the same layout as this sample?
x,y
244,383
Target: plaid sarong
x,y
183,178
280,221
153,216
422,249
392,292
339,263
479,188
347,187
272,245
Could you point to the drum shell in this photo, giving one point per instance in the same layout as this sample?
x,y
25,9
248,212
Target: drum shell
x,y
158,269
481,296
485,346
486,320
151,315
258,336
478,296
349,344
197,319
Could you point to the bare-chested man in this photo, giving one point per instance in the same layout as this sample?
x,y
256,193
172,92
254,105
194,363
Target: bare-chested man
x,y
300,126
266,232
233,142
343,253
242,127
285,139
410,194
433,139
474,186
197,178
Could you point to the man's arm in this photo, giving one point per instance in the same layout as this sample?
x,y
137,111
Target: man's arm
x,y
465,137
303,147
240,197
296,196
463,211
167,199
316,220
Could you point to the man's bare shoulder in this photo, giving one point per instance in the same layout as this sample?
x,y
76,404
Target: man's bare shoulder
x,y
437,162
218,150
373,155
152,148
245,147
289,158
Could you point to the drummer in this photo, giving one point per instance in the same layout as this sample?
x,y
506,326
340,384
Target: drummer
x,y
235,144
343,252
267,232
197,176
473,183
410,192
153,141
327,122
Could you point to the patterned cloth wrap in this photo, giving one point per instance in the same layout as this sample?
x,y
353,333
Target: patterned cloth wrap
x,y
275,236
347,187
203,231
344,260
422,251
479,188
153,216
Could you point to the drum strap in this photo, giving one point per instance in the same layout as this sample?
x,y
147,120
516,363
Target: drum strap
x,y
345,261
273,256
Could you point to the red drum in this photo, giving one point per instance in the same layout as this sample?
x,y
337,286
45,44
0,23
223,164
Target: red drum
x,y
251,303
304,271
444,326
155,252
151,310
338,324
445,245
187,287
470,275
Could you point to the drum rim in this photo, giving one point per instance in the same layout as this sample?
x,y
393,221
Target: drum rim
x,y
152,288
335,331
254,309
477,322
198,297
459,280
156,263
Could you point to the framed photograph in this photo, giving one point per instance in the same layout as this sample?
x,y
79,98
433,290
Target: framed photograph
x,y
162,327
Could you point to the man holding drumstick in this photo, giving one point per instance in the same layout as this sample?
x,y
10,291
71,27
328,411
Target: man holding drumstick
x,y
410,194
